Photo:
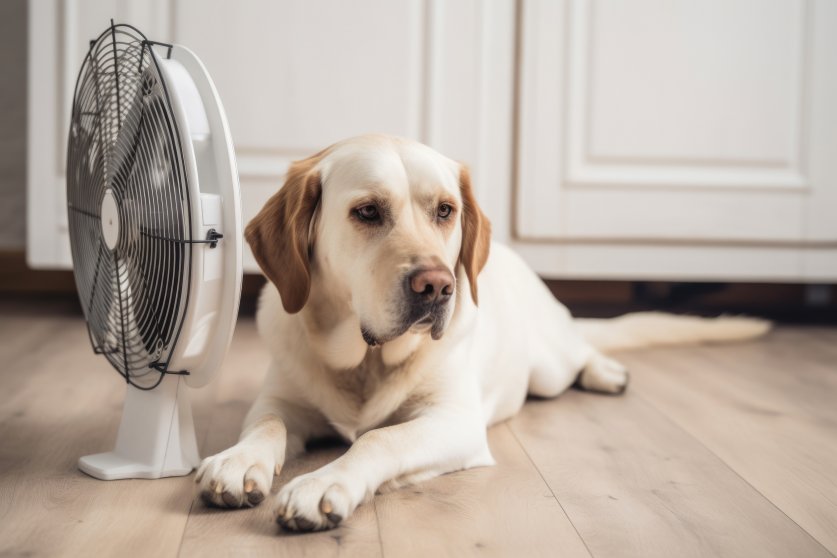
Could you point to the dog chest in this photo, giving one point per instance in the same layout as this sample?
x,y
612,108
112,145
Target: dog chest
x,y
373,395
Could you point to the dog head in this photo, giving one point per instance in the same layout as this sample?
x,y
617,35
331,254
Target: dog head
x,y
381,223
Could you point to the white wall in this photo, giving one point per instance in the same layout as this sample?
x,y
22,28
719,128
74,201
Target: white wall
x,y
12,124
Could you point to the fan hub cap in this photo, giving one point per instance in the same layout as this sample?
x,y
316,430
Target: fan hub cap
x,y
110,219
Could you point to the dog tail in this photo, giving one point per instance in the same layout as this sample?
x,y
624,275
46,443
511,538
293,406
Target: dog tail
x,y
647,329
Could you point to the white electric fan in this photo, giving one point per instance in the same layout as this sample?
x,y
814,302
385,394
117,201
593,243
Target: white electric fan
x,y
155,231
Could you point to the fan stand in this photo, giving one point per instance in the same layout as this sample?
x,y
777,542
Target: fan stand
x,y
156,436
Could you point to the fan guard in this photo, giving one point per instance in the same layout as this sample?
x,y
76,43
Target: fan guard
x,y
129,207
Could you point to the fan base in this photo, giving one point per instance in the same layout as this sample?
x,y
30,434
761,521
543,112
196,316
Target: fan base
x,y
156,436
112,466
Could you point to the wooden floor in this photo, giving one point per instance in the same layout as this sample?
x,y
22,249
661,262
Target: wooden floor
x,y
714,451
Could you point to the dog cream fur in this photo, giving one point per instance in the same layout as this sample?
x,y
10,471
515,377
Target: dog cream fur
x,y
414,400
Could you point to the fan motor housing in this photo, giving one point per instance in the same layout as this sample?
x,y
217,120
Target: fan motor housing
x,y
210,162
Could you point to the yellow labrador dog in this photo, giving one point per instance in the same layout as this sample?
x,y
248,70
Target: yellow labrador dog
x,y
395,323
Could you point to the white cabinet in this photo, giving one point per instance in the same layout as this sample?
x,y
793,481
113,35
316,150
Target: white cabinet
x,y
629,139
678,138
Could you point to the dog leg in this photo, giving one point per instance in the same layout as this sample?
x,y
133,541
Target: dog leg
x,y
555,367
243,474
432,444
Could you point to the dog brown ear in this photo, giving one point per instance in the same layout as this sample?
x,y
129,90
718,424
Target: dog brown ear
x,y
278,235
476,233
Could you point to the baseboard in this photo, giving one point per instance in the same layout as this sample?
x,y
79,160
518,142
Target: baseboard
x,y
16,277
783,302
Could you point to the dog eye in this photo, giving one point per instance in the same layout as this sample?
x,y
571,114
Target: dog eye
x,y
444,211
368,213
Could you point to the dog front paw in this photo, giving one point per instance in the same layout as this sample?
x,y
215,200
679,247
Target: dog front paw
x,y
315,501
237,477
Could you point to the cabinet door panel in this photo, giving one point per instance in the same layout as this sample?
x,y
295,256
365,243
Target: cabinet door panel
x,y
677,120
298,75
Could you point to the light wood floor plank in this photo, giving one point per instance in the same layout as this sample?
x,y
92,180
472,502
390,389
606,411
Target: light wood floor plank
x,y
69,405
507,510
705,456
820,342
27,342
767,409
634,484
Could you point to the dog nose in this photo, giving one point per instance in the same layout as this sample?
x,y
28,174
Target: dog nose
x,y
432,285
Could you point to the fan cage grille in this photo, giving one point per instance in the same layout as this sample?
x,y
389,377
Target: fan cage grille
x,y
124,140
